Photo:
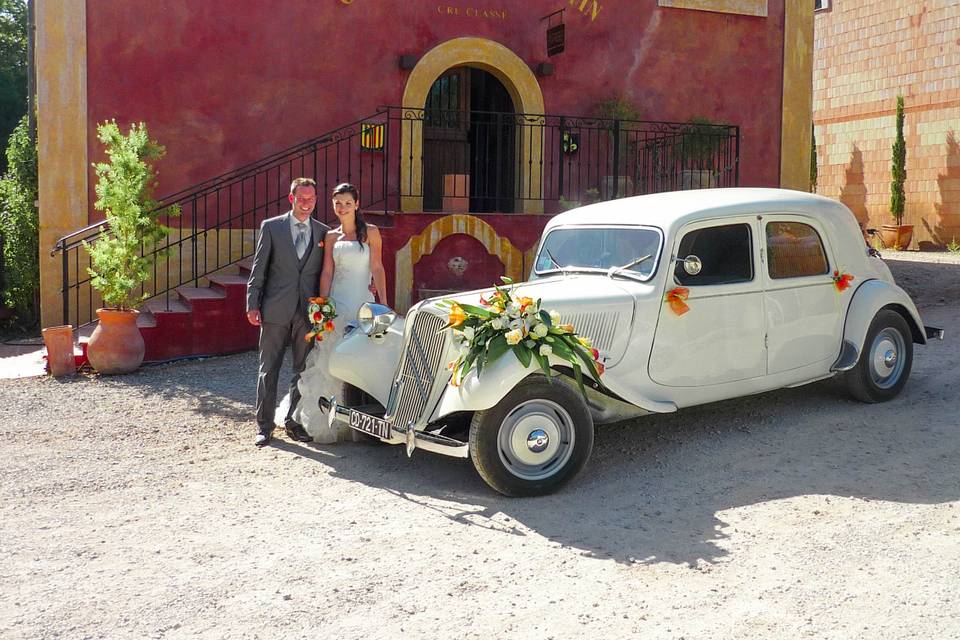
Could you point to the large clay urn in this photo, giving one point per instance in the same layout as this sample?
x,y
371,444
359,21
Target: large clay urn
x,y
896,236
116,345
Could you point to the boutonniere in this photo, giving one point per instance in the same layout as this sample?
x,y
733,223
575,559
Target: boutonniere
x,y
320,245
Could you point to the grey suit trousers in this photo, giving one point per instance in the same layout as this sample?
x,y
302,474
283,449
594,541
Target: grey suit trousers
x,y
274,339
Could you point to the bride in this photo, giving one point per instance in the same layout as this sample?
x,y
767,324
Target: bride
x,y
351,259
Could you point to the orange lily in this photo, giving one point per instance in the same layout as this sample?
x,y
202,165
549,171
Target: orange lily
x,y
457,315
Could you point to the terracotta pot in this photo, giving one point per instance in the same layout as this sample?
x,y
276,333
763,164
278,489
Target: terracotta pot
x,y
116,345
896,235
59,343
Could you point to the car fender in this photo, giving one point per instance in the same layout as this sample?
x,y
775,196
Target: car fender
x,y
477,393
869,298
379,356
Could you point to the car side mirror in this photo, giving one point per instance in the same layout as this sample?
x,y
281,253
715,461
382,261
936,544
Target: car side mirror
x,y
375,319
691,264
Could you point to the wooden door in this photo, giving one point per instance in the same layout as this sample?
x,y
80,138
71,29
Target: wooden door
x,y
446,148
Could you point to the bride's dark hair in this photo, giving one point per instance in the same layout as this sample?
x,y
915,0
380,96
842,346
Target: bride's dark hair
x,y
346,187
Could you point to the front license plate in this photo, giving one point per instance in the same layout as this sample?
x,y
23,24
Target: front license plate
x,y
370,424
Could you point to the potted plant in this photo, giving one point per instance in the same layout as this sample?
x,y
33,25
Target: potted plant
x,y
898,236
618,113
700,145
119,264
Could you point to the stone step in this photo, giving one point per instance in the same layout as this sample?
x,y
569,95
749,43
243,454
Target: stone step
x,y
226,282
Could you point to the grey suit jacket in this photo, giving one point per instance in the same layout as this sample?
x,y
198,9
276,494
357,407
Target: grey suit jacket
x,y
279,281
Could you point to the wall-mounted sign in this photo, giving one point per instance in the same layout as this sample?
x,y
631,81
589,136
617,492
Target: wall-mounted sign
x,y
555,39
371,136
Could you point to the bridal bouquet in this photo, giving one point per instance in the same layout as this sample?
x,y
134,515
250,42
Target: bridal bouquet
x,y
321,312
507,322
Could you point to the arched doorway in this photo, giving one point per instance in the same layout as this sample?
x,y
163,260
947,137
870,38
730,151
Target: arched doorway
x,y
521,86
469,140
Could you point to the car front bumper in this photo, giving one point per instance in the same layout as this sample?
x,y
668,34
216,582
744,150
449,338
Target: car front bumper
x,y
392,434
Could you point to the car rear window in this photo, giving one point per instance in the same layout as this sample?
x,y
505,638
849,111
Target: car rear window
x,y
794,250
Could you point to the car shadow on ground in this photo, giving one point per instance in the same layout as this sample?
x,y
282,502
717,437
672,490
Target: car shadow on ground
x,y
657,489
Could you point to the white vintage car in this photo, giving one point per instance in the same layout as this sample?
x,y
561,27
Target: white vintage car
x,y
690,297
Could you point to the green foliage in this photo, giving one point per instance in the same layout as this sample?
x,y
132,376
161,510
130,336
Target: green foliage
x,y
618,108
813,159
19,222
124,193
953,246
700,143
13,66
898,169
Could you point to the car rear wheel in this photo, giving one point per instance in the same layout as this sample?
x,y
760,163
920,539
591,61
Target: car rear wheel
x,y
886,359
534,440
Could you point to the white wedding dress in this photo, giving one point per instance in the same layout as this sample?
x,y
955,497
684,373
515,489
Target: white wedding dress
x,y
350,289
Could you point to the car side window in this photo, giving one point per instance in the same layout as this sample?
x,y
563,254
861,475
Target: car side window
x,y
794,250
724,251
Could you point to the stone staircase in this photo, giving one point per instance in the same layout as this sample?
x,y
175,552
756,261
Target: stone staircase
x,y
197,321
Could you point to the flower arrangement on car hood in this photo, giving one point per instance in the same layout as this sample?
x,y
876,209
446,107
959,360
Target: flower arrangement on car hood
x,y
506,322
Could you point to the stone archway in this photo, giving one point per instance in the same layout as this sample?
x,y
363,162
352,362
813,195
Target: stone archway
x,y
426,241
519,82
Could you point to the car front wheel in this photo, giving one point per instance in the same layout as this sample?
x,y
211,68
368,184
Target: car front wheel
x,y
886,359
534,440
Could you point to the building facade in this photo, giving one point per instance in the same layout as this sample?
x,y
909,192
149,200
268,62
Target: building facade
x,y
866,53
228,85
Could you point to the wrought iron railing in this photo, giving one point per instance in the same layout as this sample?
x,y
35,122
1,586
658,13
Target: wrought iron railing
x,y
419,160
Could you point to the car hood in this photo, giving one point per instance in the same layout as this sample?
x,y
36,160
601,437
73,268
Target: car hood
x,y
598,307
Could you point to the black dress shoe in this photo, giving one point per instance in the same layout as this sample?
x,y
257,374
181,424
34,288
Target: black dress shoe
x,y
296,432
262,439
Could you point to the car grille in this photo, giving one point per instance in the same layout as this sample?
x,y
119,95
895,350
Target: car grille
x,y
417,373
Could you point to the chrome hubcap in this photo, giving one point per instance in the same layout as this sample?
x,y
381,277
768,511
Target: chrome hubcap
x,y
886,365
536,439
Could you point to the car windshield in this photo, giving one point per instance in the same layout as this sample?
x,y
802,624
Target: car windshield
x,y
600,249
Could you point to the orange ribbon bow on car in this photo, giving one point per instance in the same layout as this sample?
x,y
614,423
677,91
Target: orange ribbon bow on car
x,y
841,280
675,298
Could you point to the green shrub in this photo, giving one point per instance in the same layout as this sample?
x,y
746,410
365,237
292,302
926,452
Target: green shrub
x,y
898,168
124,193
20,223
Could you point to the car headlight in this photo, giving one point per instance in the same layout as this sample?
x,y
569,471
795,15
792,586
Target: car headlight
x,y
374,319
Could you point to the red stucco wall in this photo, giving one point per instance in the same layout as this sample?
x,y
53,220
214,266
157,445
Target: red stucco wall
x,y
222,84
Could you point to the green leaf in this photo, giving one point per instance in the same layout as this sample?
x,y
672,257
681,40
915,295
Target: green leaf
x,y
587,359
579,377
506,279
545,318
475,310
561,349
523,354
544,363
496,348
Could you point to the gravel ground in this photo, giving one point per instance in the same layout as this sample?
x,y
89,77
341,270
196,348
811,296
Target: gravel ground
x,y
137,507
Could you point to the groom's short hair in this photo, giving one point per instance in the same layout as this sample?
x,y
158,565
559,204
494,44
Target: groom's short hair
x,y
302,182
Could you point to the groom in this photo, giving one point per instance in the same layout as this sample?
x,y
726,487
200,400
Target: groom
x,y
286,271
